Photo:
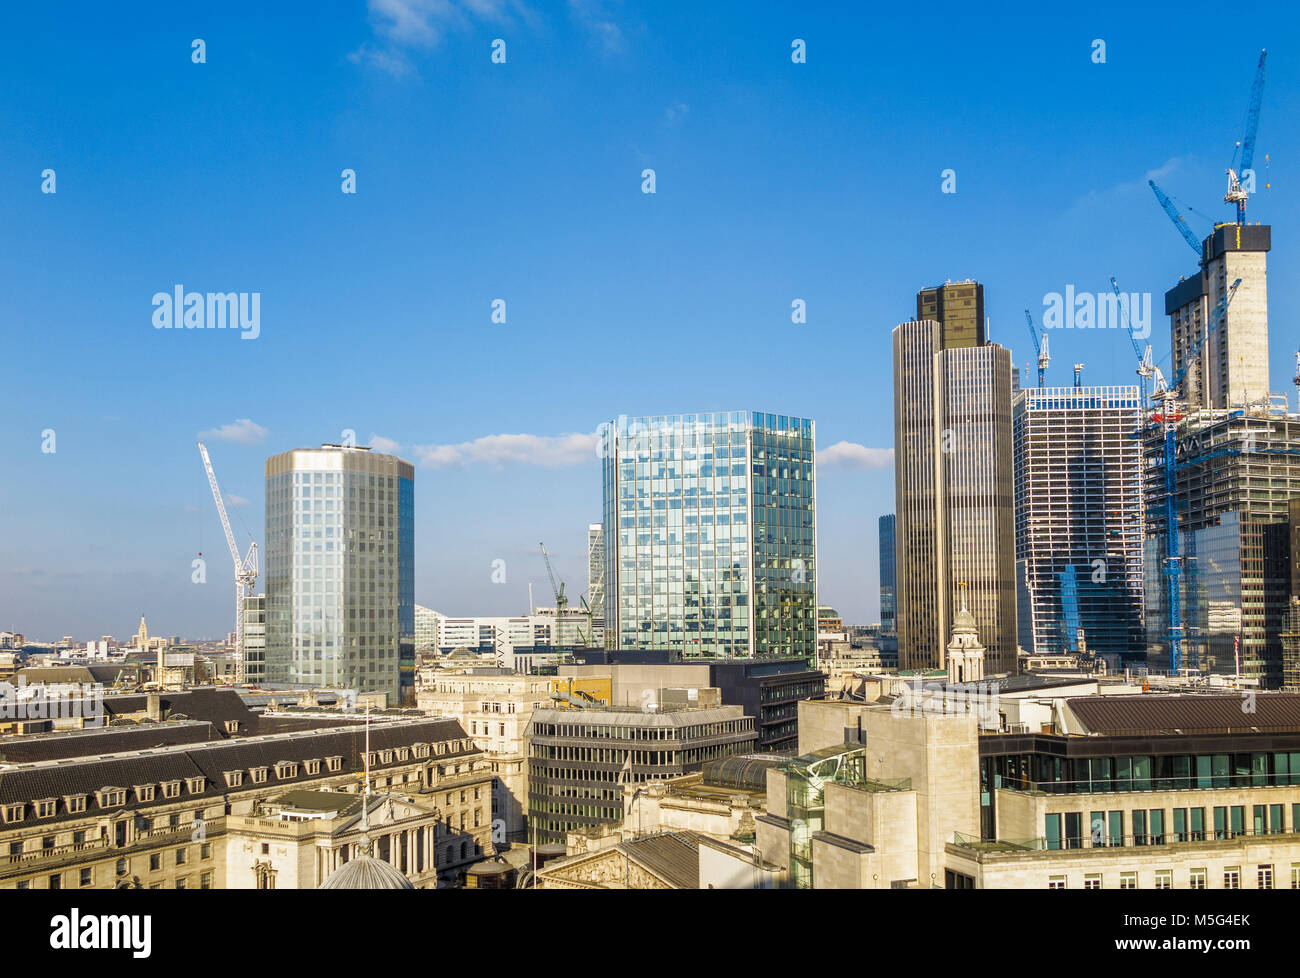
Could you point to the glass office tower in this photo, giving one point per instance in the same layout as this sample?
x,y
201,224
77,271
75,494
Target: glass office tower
x,y
710,535
888,638
340,568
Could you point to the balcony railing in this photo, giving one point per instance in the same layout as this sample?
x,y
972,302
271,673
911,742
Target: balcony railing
x,y
55,852
1071,844
1099,786
103,844
997,845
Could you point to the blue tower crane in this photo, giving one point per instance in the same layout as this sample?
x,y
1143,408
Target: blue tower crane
x,y
1180,222
1238,194
1040,346
1145,367
1169,416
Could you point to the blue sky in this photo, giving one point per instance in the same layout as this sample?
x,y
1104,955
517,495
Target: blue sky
x,y
522,181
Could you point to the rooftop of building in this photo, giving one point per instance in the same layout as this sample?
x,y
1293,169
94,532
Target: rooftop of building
x,y
206,764
1025,682
99,741
105,673
1184,714
319,802
668,715
219,705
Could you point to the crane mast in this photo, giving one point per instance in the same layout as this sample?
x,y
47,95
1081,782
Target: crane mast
x,y
246,571
1040,347
1168,415
1237,194
560,600
1145,367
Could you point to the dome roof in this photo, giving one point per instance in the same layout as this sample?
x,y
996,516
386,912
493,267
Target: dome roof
x,y
963,621
366,873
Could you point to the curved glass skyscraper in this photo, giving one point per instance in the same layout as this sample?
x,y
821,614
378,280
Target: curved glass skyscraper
x,y
340,567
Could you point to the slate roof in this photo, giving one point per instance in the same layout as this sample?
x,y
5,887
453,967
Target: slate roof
x,y
94,741
1185,714
211,761
319,801
673,856
212,704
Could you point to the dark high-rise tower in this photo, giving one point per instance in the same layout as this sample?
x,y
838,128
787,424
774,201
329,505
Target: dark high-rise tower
x,y
955,514
958,308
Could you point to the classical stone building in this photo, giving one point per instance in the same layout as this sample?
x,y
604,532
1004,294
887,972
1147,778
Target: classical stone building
x,y
301,839
495,710
97,811
670,861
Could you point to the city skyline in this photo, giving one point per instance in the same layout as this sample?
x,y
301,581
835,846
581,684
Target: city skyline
x,y
768,192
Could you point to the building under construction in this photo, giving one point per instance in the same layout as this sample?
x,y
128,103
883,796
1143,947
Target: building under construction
x,y
1079,520
1229,364
1237,473
1291,623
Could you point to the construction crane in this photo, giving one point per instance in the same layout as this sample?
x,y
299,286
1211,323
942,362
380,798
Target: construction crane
x,y
1237,194
246,572
561,602
1180,222
585,636
1040,346
1145,367
1168,415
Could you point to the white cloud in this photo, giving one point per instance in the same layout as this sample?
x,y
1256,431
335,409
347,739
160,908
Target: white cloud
x,y
594,17
242,431
390,62
548,451
381,444
1113,196
850,455
233,500
422,24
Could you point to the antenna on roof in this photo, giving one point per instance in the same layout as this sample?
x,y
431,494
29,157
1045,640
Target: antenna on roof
x,y
365,798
